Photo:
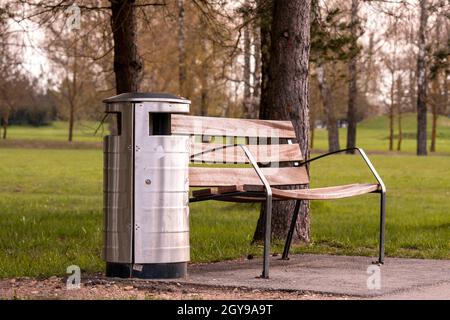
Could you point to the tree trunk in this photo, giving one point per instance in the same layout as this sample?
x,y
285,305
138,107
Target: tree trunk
x,y
5,124
391,113
352,88
438,101
445,102
204,89
247,93
399,102
181,50
433,128
71,120
127,62
72,94
422,83
257,70
412,93
435,103
369,82
287,98
328,107
400,130
265,14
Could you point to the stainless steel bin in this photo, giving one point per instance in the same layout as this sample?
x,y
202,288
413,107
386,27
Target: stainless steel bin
x,y
146,188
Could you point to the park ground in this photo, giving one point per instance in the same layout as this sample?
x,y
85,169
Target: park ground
x,y
51,204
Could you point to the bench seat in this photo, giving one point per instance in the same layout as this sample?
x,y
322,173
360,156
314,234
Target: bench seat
x,y
249,192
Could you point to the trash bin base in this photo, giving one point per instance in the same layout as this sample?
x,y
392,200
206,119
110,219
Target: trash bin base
x,y
147,271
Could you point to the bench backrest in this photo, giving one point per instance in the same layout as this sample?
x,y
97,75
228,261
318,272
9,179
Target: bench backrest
x,y
273,144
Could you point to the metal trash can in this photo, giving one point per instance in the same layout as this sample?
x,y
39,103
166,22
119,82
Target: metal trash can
x,y
146,188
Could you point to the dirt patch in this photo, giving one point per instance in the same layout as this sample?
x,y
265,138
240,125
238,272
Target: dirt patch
x,y
98,287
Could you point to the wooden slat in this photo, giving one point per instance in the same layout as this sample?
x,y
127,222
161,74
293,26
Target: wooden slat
x,y
241,199
216,190
229,127
235,154
328,193
215,177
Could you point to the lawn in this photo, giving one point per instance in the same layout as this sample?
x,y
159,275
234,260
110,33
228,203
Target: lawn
x,y
84,131
51,212
372,134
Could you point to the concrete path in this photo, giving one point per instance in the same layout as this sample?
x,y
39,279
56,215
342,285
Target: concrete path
x,y
337,275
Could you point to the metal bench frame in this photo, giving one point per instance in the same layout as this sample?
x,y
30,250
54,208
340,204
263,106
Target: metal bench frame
x,y
268,198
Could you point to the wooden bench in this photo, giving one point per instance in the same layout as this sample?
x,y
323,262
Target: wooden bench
x,y
271,149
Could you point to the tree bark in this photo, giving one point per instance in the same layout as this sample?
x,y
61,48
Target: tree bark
x,y
400,130
204,89
181,49
422,82
5,118
72,94
399,102
71,120
328,107
438,101
391,112
248,105
433,128
257,70
435,104
352,86
287,98
446,96
265,13
127,62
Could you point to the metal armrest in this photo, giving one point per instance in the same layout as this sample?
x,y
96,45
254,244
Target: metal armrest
x,y
365,158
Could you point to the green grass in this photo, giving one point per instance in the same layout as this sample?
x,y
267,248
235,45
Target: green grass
x,y
51,212
373,135
58,131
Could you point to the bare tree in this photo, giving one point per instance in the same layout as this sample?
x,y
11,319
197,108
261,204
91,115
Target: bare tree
x,y
12,81
248,105
422,81
352,74
328,107
256,33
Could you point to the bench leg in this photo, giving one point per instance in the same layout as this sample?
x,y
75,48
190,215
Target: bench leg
x,y
267,235
290,234
382,226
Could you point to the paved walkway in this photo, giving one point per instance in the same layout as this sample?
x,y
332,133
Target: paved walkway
x,y
337,275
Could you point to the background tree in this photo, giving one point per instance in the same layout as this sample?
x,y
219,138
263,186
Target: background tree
x,y
439,67
352,84
422,81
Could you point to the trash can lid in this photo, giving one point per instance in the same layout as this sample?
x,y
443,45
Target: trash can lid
x,y
146,96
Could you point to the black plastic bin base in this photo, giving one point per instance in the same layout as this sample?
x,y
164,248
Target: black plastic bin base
x,y
147,271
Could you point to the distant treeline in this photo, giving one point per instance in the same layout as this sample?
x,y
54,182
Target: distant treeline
x,y
38,111
37,116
